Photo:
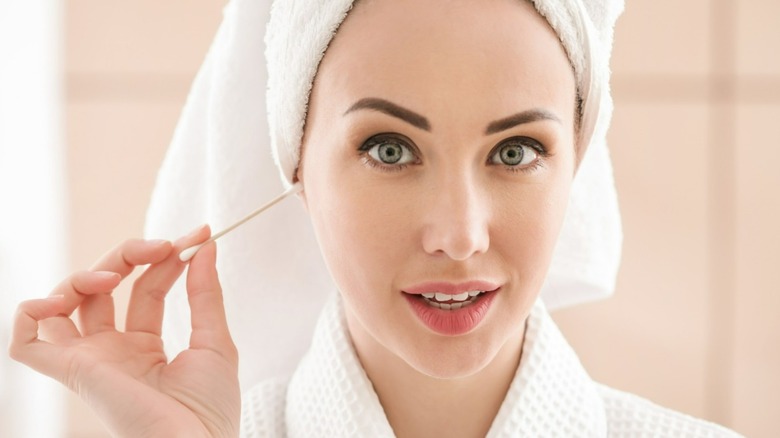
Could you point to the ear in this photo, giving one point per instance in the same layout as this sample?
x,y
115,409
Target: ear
x,y
302,196
302,193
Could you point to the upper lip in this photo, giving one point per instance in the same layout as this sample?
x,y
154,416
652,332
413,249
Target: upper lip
x,y
451,288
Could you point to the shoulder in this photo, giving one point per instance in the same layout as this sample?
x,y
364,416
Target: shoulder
x,y
629,415
262,409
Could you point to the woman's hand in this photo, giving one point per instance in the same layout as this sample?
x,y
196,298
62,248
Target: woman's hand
x,y
125,376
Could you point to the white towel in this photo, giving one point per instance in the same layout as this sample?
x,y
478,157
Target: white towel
x,y
221,165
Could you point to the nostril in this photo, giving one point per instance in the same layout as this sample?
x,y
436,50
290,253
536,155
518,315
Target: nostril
x,y
457,218
456,242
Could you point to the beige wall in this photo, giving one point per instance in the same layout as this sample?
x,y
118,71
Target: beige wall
x,y
695,143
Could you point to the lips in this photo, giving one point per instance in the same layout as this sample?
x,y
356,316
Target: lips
x,y
451,309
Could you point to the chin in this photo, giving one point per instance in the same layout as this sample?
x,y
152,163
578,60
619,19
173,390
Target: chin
x,y
452,358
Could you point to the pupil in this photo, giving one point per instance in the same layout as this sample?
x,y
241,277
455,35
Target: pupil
x,y
389,153
511,155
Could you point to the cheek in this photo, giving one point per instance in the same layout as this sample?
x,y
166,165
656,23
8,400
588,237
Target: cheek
x,y
362,228
526,227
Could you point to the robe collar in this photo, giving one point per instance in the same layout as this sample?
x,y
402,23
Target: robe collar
x,y
551,394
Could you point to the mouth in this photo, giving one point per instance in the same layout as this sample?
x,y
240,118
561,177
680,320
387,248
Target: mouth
x,y
455,313
444,301
451,296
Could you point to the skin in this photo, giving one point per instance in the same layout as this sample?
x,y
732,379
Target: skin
x,y
451,213
455,212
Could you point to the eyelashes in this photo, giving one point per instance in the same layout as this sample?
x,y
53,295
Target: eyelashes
x,y
392,152
389,152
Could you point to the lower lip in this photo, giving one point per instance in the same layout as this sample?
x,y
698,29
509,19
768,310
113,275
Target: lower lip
x,y
451,322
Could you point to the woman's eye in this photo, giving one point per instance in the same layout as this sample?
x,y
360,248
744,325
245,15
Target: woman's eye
x,y
515,155
391,152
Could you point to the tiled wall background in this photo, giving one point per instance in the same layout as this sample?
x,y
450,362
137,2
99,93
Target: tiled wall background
x,y
696,147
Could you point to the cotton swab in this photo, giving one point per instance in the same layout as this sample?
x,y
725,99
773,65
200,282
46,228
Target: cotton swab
x,y
188,253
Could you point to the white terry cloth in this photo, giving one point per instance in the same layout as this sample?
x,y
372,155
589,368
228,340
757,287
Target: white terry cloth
x,y
220,166
551,395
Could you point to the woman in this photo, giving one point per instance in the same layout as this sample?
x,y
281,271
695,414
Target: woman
x,y
440,145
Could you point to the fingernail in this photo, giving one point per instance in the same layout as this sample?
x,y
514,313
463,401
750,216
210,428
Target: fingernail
x,y
156,242
197,230
106,275
55,297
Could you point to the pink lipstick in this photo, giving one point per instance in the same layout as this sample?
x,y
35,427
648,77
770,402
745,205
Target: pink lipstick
x,y
451,309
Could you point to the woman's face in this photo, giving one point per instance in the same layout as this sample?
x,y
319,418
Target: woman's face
x,y
438,156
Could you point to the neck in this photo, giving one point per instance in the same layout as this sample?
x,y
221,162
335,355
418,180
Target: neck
x,y
417,405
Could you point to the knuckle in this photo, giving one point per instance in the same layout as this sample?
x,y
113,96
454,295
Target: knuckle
x,y
127,244
15,346
76,278
231,352
24,309
157,293
118,256
20,309
201,290
14,351
149,288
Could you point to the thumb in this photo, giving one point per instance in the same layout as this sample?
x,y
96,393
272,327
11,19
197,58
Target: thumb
x,y
207,310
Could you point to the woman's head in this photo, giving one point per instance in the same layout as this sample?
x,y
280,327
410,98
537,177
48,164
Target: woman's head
x,y
439,146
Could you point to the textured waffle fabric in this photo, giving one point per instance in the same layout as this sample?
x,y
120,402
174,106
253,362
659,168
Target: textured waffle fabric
x,y
329,395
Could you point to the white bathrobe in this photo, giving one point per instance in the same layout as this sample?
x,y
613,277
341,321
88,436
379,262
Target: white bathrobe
x,y
551,395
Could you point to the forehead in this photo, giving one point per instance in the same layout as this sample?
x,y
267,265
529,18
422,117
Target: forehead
x,y
495,56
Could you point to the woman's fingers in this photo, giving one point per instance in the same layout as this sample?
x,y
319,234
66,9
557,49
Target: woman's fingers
x,y
146,307
96,312
124,257
25,346
85,282
209,324
73,290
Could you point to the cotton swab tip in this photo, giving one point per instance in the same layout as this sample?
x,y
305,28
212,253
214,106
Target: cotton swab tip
x,y
188,253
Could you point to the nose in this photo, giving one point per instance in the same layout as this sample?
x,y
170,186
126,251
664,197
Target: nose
x,y
457,218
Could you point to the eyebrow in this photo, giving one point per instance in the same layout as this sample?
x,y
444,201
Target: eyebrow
x,y
419,121
391,109
528,116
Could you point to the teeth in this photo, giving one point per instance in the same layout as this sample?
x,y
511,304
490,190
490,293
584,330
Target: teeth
x,y
453,306
461,297
438,299
443,297
438,296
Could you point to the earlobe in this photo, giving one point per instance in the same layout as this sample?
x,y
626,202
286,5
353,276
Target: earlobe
x,y
300,194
